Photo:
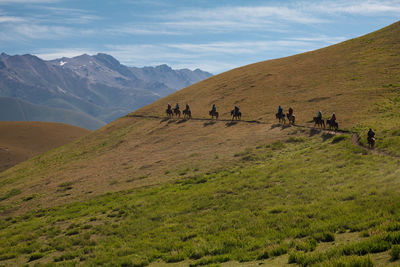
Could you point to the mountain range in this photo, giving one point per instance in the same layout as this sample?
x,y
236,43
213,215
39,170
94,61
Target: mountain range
x,y
98,86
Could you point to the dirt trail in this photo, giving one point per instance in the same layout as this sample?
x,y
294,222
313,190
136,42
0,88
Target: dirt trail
x,y
354,136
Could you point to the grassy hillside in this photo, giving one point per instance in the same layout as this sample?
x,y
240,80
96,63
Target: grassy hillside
x,y
20,141
12,109
149,190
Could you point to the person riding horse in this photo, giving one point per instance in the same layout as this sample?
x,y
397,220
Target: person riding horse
x,y
319,116
236,110
213,109
177,106
371,137
280,110
333,118
290,111
187,107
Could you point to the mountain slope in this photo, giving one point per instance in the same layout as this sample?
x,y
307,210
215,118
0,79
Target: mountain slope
x,y
20,141
96,85
323,79
12,109
148,188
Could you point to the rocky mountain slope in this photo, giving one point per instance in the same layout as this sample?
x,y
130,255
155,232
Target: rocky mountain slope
x,y
97,85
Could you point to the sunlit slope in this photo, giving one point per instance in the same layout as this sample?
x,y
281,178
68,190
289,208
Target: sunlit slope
x,y
358,79
20,141
345,78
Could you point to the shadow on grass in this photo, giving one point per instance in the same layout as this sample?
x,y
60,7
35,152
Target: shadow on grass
x,y
208,123
231,123
314,132
182,121
164,120
326,136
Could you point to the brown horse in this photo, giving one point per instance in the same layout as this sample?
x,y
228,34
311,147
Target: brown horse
x,y
177,112
332,124
237,115
291,118
213,114
169,113
318,121
187,114
280,117
371,142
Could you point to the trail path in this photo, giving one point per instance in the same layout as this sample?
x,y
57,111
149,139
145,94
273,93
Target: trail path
x,y
354,136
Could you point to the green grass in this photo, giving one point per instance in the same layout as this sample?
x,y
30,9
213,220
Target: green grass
x,y
287,197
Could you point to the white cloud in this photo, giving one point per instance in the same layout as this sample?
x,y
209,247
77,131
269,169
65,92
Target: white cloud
x,y
11,19
50,54
358,7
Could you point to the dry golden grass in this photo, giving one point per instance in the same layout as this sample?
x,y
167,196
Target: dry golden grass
x,y
20,141
134,152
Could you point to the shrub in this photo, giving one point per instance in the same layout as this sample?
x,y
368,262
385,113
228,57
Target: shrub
x,y
36,256
395,253
324,237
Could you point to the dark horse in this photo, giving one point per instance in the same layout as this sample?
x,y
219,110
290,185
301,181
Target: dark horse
x,y
187,114
169,113
213,114
280,117
237,115
332,124
177,112
319,121
291,118
371,142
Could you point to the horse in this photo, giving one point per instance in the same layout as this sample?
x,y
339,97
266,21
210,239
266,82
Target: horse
x,y
177,112
319,121
291,118
213,113
332,124
371,142
280,117
169,113
187,114
237,115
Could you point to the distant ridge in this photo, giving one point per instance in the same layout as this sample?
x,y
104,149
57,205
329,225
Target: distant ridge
x,y
12,109
98,85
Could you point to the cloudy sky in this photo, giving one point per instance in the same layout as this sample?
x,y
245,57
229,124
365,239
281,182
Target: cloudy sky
x,y
214,35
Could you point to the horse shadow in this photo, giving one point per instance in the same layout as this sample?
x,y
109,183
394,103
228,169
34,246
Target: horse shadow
x,y
231,123
164,120
326,136
208,123
314,132
181,121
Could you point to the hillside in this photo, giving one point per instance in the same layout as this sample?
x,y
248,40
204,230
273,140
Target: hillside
x,y
12,109
98,86
20,141
151,189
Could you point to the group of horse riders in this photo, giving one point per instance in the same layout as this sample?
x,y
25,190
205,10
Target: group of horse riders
x,y
213,112
280,115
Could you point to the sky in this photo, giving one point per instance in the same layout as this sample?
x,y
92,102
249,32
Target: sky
x,y
213,35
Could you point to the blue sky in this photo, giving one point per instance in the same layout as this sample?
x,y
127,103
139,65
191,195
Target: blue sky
x,y
214,35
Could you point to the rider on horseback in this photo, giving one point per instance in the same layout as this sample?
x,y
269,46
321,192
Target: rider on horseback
x,y
280,110
371,134
213,109
169,107
187,107
177,106
319,116
236,110
290,111
333,118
